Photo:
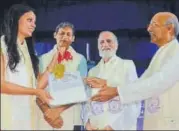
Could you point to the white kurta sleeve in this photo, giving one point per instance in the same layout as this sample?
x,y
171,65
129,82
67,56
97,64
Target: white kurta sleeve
x,y
154,85
127,118
85,114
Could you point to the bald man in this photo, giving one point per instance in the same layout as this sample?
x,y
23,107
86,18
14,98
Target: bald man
x,y
159,85
115,71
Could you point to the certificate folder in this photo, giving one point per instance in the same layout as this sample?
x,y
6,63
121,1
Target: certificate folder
x,y
67,90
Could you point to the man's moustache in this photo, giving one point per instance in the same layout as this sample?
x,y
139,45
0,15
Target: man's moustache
x,y
105,49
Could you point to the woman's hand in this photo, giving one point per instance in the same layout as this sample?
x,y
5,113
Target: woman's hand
x,y
43,95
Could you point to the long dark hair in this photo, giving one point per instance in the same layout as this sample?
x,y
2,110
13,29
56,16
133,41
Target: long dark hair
x,y
9,29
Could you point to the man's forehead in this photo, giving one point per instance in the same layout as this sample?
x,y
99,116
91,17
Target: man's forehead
x,y
156,19
65,29
105,35
160,18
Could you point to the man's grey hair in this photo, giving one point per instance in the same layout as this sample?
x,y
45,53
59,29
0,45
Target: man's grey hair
x,y
65,24
174,21
115,39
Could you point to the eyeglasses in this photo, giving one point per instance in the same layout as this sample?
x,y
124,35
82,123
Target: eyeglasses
x,y
155,25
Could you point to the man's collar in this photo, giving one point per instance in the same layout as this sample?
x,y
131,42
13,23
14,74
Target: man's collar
x,y
110,60
169,43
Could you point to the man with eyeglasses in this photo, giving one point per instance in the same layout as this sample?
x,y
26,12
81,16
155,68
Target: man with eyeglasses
x,y
159,85
115,71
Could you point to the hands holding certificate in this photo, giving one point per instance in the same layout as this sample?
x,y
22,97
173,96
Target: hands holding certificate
x,y
105,93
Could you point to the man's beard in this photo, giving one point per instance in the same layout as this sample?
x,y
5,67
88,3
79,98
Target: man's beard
x,y
106,53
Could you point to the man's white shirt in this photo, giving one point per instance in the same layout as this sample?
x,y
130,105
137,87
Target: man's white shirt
x,y
117,72
159,87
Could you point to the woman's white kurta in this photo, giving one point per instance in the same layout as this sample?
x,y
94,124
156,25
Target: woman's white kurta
x,y
18,111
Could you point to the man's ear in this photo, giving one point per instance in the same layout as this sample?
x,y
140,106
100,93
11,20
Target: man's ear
x,y
171,29
54,35
73,39
116,46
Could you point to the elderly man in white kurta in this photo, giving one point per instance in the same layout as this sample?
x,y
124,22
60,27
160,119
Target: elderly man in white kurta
x,y
159,85
116,71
